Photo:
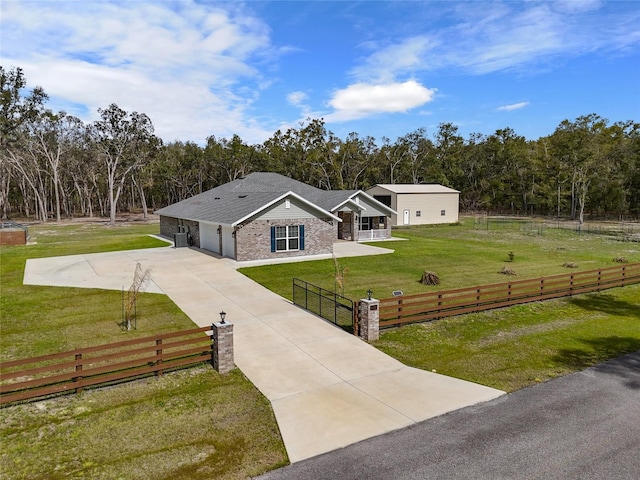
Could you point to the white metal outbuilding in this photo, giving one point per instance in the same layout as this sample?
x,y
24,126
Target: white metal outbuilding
x,y
420,204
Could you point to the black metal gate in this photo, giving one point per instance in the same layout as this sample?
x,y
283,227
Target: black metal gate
x,y
324,303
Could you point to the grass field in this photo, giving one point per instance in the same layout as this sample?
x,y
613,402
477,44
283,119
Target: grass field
x,y
40,320
519,346
508,348
193,424
461,256
196,424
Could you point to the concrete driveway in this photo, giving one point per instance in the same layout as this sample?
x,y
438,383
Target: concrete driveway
x,y
584,426
328,388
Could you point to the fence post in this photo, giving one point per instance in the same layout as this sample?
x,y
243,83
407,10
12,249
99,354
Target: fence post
x,y
369,319
222,338
356,318
623,274
78,369
159,353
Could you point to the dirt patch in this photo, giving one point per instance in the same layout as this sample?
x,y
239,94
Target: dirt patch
x,y
123,219
511,335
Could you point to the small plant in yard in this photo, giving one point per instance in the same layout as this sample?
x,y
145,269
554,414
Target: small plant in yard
x,y
620,260
339,276
570,265
511,256
140,280
220,426
430,278
508,271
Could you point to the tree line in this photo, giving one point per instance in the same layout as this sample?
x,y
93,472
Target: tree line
x,y
53,165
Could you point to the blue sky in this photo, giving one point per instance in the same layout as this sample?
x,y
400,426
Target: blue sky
x,y
378,68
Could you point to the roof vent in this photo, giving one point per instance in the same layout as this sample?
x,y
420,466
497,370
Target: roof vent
x,y
242,196
217,198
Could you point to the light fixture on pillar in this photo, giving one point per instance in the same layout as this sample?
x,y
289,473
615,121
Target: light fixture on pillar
x,y
369,293
222,316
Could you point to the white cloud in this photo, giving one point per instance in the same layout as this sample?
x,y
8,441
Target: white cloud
x,y
201,68
483,37
189,66
513,106
362,100
296,98
576,6
407,55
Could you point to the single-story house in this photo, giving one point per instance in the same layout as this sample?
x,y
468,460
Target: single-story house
x,y
267,215
418,204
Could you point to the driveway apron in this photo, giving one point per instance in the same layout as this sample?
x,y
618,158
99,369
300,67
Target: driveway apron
x,y
328,389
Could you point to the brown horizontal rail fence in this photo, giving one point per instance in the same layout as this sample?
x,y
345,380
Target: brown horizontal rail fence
x,y
396,311
74,370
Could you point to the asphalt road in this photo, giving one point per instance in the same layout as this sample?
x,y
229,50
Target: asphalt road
x,y
582,426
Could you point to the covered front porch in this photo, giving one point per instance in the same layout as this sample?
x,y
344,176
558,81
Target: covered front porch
x,y
357,227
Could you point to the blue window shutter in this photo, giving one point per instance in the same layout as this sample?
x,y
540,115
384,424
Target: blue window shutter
x,y
301,237
273,239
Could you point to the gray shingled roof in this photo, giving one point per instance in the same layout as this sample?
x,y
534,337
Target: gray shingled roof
x,y
233,201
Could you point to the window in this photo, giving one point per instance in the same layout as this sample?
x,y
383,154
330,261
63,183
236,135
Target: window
x,y
365,223
287,238
443,213
418,213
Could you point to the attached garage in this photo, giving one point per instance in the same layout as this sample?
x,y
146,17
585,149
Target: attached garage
x,y
228,242
209,237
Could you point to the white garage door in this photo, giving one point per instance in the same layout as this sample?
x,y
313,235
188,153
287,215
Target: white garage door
x,y
209,239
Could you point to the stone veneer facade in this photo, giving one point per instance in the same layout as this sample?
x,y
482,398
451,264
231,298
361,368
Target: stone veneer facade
x,y
369,319
169,226
253,240
222,334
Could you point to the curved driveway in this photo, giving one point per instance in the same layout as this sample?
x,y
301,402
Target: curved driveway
x,y
328,388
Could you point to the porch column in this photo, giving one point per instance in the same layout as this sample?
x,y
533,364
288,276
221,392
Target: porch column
x,y
355,225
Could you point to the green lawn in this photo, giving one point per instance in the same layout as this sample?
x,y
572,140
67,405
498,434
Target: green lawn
x,y
508,348
516,347
189,425
192,424
461,256
196,424
40,320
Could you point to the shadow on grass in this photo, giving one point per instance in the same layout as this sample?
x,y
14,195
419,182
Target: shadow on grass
x,y
603,349
607,303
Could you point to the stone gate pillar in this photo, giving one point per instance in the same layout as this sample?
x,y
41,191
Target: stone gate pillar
x,y
369,319
222,337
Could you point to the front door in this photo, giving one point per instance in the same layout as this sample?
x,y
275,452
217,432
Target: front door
x,y
405,217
